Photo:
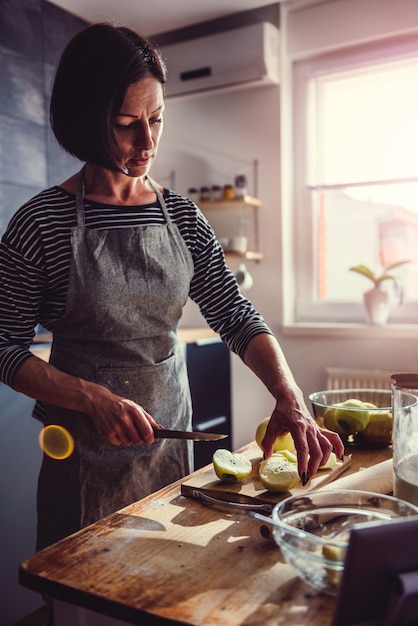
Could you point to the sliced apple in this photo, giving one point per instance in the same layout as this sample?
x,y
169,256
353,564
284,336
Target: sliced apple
x,y
231,467
278,474
332,459
287,454
291,456
336,553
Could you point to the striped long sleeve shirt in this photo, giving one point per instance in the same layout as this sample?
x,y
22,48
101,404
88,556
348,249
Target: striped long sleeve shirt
x,y
35,256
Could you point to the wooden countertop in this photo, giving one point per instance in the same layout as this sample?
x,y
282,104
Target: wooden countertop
x,y
191,334
170,557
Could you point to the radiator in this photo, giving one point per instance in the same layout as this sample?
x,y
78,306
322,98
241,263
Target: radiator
x,y
349,378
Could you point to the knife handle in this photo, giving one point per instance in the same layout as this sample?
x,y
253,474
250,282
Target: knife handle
x,y
236,505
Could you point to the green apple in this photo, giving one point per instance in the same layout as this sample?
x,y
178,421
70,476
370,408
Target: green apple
x,y
278,474
333,552
330,422
347,418
378,431
332,459
231,467
290,456
282,443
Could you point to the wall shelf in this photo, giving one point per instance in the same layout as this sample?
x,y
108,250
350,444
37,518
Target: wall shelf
x,y
239,204
230,204
250,255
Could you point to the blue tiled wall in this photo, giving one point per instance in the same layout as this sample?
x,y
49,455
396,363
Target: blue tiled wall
x,y
32,36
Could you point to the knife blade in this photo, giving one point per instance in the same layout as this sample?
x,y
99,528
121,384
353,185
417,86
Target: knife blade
x,y
163,433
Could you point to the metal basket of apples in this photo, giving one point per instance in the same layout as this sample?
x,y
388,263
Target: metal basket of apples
x,y
362,417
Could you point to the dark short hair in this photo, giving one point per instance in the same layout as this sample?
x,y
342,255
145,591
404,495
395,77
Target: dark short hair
x,y
95,70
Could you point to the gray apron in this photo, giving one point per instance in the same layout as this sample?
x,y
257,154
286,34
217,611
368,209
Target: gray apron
x,y
126,292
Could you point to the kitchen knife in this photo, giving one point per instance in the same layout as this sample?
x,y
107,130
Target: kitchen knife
x,y
163,433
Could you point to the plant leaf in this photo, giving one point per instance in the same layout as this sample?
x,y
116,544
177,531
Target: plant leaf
x,y
377,280
385,277
393,265
364,271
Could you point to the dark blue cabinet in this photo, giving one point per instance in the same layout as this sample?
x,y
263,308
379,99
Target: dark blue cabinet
x,y
209,370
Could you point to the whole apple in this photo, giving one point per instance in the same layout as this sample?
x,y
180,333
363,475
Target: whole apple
x,y
282,443
378,431
347,418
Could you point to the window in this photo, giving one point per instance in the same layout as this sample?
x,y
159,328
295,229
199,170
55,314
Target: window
x,y
356,177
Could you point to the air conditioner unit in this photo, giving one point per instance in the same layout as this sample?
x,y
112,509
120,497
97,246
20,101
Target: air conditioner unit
x,y
236,59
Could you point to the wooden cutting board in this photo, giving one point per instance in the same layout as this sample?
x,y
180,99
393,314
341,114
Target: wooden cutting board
x,y
250,491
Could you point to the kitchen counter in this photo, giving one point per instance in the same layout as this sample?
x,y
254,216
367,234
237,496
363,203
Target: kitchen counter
x,y
171,559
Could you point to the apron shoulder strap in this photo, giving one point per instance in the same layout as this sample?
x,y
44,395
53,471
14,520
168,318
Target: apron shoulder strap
x,y
80,197
161,200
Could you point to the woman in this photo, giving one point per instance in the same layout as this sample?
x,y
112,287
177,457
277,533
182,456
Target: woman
x,y
106,262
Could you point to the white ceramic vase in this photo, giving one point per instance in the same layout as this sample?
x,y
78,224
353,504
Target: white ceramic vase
x,y
377,304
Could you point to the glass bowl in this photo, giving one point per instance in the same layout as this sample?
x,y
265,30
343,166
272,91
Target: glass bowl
x,y
365,420
313,530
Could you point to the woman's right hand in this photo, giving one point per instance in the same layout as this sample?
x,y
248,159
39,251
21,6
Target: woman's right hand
x,y
122,421
119,420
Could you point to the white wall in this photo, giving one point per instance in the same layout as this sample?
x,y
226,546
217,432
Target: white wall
x,y
323,26
207,140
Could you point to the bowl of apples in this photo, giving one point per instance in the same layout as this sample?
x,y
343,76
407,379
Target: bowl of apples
x,y
362,417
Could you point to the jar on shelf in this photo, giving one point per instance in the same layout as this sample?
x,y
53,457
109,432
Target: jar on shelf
x,y
240,186
193,194
228,192
216,193
204,194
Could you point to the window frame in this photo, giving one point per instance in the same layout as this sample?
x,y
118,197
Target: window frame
x,y
299,303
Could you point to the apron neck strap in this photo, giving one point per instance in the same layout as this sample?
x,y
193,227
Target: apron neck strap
x,y
80,197
161,200
81,191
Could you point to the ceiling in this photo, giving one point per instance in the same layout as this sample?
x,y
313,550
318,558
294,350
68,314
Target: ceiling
x,y
150,17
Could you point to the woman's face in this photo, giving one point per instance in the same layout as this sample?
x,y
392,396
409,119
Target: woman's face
x,y
138,126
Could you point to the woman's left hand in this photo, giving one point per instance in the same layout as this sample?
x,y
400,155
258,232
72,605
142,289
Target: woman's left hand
x,y
313,444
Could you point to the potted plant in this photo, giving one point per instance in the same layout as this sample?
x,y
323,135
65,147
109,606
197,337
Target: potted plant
x,y
377,300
